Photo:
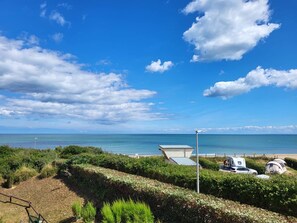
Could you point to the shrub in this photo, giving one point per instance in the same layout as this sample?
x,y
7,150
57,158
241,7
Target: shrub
x,y
24,173
9,181
71,150
88,213
169,203
251,163
48,171
205,163
126,211
279,194
76,209
291,162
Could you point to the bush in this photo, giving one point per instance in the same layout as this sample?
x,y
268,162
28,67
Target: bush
x,y
126,212
24,173
48,171
207,164
291,162
88,213
276,194
251,163
169,203
9,181
76,209
68,151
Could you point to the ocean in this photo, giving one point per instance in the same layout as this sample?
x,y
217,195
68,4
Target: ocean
x,y
147,144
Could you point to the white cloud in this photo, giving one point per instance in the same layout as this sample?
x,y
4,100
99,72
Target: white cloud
x,y
43,9
157,66
58,37
65,5
58,18
254,79
43,83
285,129
226,30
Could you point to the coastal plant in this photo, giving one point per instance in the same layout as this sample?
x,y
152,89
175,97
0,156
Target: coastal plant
x,y
48,171
169,203
24,173
68,151
291,162
208,164
88,213
251,163
76,209
126,211
275,194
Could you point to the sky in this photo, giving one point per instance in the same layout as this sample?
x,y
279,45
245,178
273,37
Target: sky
x,y
150,66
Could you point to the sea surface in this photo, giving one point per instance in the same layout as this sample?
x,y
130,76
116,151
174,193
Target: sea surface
x,y
148,144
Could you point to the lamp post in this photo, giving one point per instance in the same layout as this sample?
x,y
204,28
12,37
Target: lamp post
x,y
197,161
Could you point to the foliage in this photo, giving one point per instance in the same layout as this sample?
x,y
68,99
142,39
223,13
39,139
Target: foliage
x,y
12,159
76,209
48,171
68,151
169,203
251,163
126,211
291,162
88,213
24,173
277,194
208,164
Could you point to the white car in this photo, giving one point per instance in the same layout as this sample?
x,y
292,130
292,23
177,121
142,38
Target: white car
x,y
239,169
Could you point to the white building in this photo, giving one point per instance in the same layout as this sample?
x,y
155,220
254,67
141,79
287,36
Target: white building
x,y
179,154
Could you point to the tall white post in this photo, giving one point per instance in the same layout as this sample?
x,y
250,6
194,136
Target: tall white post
x,y
197,162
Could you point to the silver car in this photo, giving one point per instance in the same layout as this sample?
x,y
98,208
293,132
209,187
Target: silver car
x,y
239,169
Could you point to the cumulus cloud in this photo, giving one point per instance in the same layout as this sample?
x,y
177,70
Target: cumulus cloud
x,y
57,37
157,66
226,30
43,83
254,79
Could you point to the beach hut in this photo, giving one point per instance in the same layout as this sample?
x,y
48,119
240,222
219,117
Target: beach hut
x,y
178,154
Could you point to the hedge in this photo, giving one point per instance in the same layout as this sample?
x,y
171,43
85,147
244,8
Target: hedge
x,y
251,163
291,162
169,203
208,164
277,194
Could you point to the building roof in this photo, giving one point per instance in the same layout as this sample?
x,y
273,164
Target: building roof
x,y
183,161
175,147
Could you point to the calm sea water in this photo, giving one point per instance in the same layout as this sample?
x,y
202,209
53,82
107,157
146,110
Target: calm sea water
x,y
148,143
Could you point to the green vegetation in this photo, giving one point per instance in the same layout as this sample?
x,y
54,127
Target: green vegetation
x,y
48,171
126,212
88,213
252,163
169,203
208,164
291,162
24,173
72,150
76,209
277,194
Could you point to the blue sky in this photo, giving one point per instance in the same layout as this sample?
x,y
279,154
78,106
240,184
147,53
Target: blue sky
x,y
148,66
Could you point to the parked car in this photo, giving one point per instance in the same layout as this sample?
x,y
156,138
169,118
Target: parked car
x,y
239,169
